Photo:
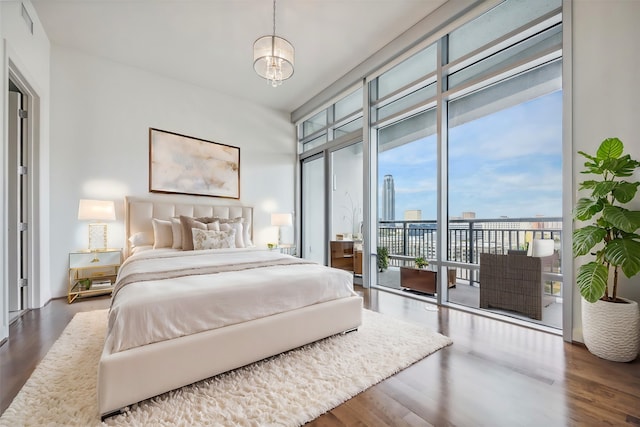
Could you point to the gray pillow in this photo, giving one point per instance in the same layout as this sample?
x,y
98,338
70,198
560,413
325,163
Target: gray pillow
x,y
187,223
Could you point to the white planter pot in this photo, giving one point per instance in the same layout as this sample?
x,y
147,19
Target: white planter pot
x,y
611,331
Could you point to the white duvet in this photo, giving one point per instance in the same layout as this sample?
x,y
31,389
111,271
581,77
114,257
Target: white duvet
x,y
155,310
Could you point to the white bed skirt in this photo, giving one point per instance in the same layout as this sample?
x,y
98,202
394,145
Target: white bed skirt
x,y
137,374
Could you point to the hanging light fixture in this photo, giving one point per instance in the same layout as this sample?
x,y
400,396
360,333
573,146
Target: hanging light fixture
x,y
273,56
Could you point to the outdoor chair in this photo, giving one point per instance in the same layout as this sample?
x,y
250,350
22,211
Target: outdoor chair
x,y
512,282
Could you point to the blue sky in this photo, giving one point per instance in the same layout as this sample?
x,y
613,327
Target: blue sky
x,y
508,163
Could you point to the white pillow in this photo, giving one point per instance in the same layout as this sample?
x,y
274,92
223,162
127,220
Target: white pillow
x,y
162,234
142,238
237,226
246,232
215,226
176,231
212,239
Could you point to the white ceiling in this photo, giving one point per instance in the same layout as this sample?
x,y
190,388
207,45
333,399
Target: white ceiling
x,y
209,42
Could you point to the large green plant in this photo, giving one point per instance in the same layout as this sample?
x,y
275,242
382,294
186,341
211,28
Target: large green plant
x,y
612,235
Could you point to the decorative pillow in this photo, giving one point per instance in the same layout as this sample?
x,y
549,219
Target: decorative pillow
x,y
211,239
162,234
187,223
215,226
208,219
142,238
246,232
176,229
237,226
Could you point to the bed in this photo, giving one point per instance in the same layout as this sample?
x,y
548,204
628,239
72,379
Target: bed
x,y
184,327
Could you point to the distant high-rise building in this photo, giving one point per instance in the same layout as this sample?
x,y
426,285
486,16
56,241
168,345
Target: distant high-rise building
x,y
412,215
468,215
388,199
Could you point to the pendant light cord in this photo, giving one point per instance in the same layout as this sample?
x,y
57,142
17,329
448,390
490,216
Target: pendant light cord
x,y
274,17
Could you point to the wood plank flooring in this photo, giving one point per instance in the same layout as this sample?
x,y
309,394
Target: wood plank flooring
x,y
495,373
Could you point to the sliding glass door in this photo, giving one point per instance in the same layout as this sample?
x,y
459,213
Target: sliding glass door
x,y
313,209
344,192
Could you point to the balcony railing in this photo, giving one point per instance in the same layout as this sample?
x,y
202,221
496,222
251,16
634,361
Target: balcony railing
x,y
467,239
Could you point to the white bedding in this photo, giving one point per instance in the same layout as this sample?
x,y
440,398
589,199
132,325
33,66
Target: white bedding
x,y
157,310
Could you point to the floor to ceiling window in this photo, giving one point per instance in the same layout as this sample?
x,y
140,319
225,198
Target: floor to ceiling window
x,y
505,183
504,180
404,116
466,131
407,193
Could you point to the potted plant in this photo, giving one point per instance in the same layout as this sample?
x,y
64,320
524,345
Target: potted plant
x,y
611,325
383,258
421,262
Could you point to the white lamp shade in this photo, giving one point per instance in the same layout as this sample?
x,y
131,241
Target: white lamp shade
x,y
96,210
281,219
269,48
541,247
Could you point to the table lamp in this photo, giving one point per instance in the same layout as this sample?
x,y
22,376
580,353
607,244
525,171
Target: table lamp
x,y
281,220
97,211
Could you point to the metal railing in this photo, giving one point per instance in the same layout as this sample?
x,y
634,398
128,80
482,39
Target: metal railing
x,y
467,239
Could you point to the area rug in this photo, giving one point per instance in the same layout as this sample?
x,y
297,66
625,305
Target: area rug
x,y
286,390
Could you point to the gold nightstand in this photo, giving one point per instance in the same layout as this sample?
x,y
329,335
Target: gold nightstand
x,y
92,273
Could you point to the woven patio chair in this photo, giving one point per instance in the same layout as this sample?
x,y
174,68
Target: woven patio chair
x,y
512,282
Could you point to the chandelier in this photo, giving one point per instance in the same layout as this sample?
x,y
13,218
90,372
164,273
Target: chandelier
x,y
273,56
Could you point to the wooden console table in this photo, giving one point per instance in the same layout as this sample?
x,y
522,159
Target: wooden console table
x,y
345,257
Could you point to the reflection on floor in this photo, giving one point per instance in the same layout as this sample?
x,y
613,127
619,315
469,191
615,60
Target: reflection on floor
x,y
14,315
469,296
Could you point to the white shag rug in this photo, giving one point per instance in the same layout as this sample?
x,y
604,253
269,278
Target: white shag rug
x,y
286,390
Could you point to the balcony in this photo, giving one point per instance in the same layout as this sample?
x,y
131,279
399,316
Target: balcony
x,y
467,239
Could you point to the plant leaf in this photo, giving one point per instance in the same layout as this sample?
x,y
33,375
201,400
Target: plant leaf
x,y
592,281
587,185
603,188
621,218
624,252
587,208
623,166
584,239
610,148
624,192
588,156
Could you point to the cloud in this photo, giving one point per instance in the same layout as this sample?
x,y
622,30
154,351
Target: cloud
x,y
505,164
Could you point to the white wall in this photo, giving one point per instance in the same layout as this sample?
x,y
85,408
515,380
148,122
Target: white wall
x,y
606,94
101,112
29,55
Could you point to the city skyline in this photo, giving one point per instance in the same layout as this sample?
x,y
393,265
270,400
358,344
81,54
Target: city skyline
x,y
505,164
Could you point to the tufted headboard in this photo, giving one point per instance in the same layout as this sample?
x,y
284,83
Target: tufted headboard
x,y
139,211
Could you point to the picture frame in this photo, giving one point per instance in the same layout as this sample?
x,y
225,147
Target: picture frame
x,y
187,165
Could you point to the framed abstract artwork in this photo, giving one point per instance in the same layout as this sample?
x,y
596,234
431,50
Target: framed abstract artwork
x,y
186,165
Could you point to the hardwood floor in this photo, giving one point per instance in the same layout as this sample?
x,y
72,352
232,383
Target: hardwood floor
x,y
494,374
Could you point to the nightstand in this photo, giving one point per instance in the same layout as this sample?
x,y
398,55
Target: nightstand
x,y
92,273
